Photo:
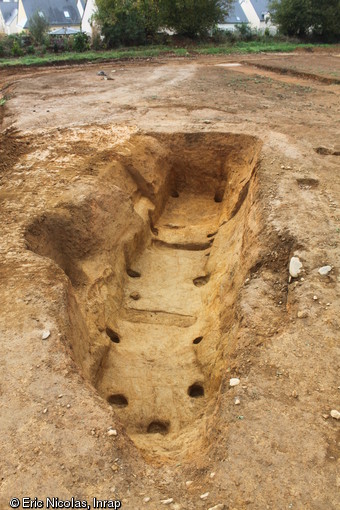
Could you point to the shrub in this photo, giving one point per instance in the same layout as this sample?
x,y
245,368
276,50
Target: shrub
x,y
244,32
16,50
80,42
96,40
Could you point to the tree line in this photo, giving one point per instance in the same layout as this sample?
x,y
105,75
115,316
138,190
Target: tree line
x,y
126,22
133,22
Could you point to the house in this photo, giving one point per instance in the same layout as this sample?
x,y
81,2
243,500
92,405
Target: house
x,y
255,13
235,17
8,17
58,13
89,10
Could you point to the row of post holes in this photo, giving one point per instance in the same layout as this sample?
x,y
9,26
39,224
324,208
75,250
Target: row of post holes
x,y
196,390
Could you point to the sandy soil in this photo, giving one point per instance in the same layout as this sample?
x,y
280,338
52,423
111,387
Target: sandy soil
x,y
69,142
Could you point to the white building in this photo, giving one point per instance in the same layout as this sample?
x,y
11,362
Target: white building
x,y
255,13
8,17
89,10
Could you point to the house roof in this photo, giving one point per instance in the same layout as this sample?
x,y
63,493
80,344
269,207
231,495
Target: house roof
x,y
261,7
7,9
64,31
57,12
236,15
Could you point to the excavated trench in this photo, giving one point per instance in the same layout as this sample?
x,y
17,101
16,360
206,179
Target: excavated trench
x,y
155,258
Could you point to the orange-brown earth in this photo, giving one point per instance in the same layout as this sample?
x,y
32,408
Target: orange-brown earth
x,y
147,224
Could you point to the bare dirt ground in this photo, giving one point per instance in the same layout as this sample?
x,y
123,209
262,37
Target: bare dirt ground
x,y
147,224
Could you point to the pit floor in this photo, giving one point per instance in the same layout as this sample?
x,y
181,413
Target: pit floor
x,y
279,448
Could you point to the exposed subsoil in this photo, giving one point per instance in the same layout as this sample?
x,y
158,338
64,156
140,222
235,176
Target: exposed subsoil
x,y
147,227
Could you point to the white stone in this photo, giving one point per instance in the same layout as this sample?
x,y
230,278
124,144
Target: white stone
x,y
234,382
217,507
205,495
45,334
188,483
167,501
325,270
237,401
146,500
295,267
212,475
112,432
335,414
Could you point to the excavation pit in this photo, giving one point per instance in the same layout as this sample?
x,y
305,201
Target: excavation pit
x,y
143,232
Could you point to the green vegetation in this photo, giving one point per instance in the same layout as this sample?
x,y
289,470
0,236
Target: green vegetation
x,y
154,51
2,101
130,22
314,19
193,18
38,27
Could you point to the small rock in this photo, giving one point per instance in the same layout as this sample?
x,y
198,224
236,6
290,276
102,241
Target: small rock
x,y
315,298
112,432
101,73
45,334
60,396
217,507
295,267
204,496
188,483
295,394
325,270
135,296
234,382
68,406
45,410
212,475
325,416
237,401
303,314
167,501
335,414
206,121
114,467
146,500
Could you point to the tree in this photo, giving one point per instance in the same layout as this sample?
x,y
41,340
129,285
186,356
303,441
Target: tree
x,y
319,19
38,27
193,18
326,20
136,21
127,21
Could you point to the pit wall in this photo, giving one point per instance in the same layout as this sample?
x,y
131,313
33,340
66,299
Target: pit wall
x,y
102,233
